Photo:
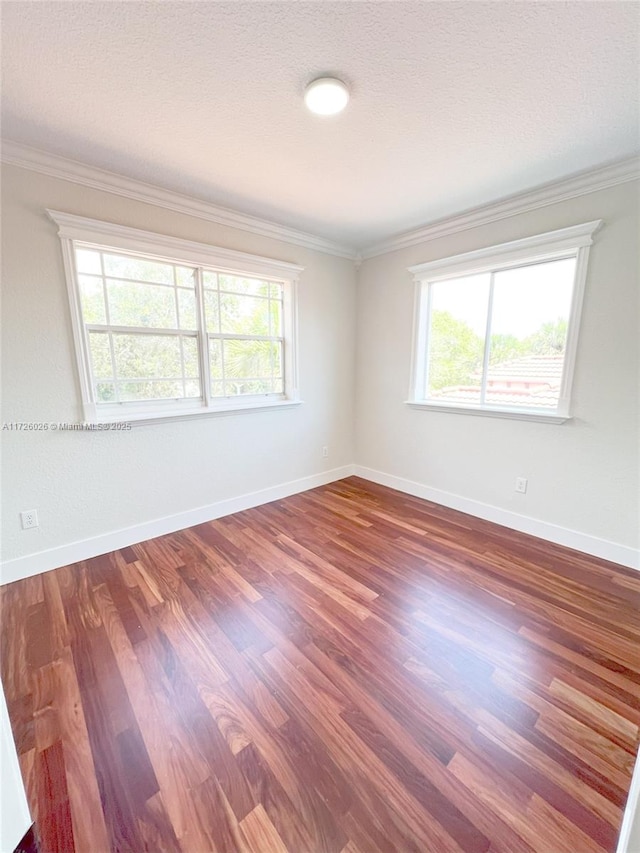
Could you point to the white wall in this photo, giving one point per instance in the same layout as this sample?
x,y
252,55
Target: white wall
x,y
87,484
583,475
15,819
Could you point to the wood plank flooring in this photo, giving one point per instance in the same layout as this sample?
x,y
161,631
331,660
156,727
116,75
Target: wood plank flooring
x,y
348,670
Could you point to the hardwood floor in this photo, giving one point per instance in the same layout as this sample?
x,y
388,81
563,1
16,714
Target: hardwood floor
x,y
347,670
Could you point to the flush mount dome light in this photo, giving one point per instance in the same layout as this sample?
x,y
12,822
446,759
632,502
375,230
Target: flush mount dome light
x,y
326,96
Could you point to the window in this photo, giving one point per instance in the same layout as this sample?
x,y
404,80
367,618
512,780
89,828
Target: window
x,y
166,327
496,330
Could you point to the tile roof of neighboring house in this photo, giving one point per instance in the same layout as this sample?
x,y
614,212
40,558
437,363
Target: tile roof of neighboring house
x,y
504,396
542,372
530,368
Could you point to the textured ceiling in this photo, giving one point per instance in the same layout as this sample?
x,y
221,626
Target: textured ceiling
x,y
454,104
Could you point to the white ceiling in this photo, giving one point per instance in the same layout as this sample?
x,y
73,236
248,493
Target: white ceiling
x,y
454,104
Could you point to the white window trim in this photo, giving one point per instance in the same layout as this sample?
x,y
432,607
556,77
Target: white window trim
x,y
553,245
106,235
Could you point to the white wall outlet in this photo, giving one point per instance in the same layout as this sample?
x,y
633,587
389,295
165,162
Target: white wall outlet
x,y
29,518
521,485
325,452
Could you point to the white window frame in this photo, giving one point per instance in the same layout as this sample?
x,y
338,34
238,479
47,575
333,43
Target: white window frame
x,y
572,242
105,236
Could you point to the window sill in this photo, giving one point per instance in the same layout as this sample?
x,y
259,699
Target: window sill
x,y
160,416
514,414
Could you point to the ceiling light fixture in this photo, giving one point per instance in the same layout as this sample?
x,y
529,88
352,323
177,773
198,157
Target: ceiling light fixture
x,y
326,96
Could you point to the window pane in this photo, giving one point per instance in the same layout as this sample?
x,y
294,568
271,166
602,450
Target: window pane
x,y
531,307
147,356
88,261
249,286
217,389
150,391
276,318
249,386
141,305
105,392
247,359
276,358
140,269
215,358
190,354
276,290
101,366
211,313
187,308
243,315
186,276
92,299
210,279
456,339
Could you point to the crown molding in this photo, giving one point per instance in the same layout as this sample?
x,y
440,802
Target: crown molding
x,y
576,185
36,160
588,181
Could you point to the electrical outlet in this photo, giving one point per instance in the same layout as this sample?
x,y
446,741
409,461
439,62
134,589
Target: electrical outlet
x,y
325,452
29,518
521,485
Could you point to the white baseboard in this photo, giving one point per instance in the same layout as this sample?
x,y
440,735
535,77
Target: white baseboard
x,y
53,558
629,839
621,554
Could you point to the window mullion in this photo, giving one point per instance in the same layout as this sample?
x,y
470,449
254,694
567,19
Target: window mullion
x,y
182,371
487,343
107,314
137,330
203,339
270,330
222,370
225,336
181,338
175,297
222,373
422,382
